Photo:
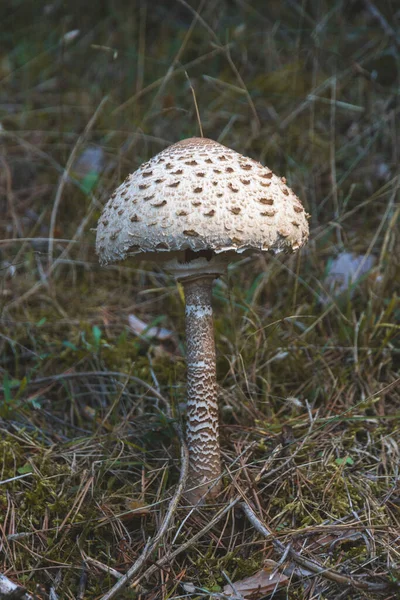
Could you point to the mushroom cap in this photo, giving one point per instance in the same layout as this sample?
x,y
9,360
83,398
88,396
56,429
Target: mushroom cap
x,y
196,196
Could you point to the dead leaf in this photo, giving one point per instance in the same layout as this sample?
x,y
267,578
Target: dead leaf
x,y
346,269
257,585
138,508
141,328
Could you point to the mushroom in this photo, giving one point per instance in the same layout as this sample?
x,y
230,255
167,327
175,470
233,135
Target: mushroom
x,y
194,207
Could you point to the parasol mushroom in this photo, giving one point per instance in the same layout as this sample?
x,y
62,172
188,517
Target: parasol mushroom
x,y
193,208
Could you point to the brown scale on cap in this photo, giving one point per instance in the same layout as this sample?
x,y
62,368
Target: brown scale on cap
x,y
284,231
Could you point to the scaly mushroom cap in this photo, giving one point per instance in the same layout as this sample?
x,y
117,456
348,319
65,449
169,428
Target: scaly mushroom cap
x,y
198,195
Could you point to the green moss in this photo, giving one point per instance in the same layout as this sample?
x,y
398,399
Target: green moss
x,y
237,567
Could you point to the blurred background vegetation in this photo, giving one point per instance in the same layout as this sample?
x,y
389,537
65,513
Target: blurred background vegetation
x,y
308,346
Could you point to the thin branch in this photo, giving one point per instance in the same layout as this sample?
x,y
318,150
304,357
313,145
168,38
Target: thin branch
x,y
312,565
376,14
167,558
99,565
152,545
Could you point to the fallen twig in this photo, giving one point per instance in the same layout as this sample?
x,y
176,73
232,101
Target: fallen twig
x,y
376,14
312,565
99,565
167,558
154,543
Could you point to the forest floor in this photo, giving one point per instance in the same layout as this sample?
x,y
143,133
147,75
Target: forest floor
x,y
308,346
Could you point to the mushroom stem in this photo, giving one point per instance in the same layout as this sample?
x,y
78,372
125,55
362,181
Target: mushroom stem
x,y
202,407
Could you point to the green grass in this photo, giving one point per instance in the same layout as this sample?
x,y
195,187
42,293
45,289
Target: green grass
x,y
309,394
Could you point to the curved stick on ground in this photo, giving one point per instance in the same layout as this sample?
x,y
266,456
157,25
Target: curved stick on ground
x,y
312,565
167,558
154,543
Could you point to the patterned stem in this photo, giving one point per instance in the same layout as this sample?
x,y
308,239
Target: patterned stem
x,y
202,407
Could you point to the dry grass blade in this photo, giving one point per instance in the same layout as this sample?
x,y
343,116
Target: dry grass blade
x,y
65,176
